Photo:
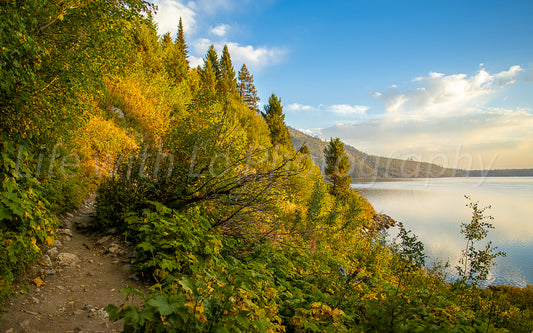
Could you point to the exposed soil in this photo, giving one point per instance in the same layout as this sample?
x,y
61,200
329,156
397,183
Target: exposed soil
x,y
74,293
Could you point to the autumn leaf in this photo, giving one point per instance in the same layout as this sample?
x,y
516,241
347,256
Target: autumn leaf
x,y
38,281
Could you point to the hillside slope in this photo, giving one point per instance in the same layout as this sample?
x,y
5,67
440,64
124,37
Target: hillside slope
x,y
367,166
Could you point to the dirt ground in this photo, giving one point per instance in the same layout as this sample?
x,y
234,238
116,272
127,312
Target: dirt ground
x,y
74,293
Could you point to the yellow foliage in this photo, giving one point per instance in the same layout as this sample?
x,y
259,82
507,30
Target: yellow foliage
x,y
49,241
101,140
141,104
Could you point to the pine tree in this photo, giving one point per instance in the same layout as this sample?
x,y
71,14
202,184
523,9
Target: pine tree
x,y
209,82
166,40
247,89
228,82
175,64
337,167
212,58
180,42
279,134
304,150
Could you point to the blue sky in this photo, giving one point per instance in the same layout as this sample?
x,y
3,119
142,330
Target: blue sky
x,y
449,82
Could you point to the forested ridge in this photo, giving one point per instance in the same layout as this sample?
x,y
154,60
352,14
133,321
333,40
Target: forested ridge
x,y
365,167
234,225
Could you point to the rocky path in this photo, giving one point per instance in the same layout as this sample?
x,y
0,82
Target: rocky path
x,y
74,281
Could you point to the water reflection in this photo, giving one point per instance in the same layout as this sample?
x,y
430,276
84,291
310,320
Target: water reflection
x,y
434,209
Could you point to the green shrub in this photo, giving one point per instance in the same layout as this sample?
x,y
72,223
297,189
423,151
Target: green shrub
x,y
25,220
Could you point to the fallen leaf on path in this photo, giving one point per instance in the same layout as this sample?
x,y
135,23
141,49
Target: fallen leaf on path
x,y
38,281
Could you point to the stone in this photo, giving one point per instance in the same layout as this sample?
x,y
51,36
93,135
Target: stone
x,y
100,314
84,222
68,259
36,270
66,232
66,223
58,243
103,240
50,272
114,248
53,252
117,111
46,261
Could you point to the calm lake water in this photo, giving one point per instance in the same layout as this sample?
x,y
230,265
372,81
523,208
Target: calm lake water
x,y
434,209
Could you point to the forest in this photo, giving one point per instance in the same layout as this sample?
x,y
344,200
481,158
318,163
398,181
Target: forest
x,y
235,227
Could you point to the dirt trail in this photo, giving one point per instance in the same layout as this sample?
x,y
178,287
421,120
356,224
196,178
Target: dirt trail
x,y
74,292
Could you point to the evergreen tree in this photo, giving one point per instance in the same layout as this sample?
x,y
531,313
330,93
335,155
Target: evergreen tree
x,y
166,40
147,43
209,82
180,42
337,167
175,64
275,119
304,150
228,83
247,89
212,58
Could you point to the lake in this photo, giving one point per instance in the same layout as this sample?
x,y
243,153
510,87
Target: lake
x,y
434,209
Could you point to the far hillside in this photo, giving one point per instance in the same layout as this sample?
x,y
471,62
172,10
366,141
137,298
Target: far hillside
x,y
372,167
501,173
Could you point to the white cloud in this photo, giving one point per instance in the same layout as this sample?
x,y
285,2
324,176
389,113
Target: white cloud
x,y
195,61
340,109
346,109
255,58
442,94
201,45
296,107
220,30
508,77
169,13
314,132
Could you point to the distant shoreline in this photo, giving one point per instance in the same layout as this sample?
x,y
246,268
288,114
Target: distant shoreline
x,y
469,174
501,173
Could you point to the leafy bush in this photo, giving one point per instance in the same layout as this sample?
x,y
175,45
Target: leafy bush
x,y
475,263
25,220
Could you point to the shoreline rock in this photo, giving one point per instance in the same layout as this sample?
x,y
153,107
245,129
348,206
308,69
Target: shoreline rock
x,y
380,222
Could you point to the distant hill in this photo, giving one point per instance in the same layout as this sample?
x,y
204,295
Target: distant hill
x,y
501,173
367,166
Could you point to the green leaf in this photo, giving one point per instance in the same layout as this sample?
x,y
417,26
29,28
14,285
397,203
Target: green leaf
x,y
187,285
161,304
5,214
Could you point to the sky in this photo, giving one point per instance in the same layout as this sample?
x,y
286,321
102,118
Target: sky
x,y
448,82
